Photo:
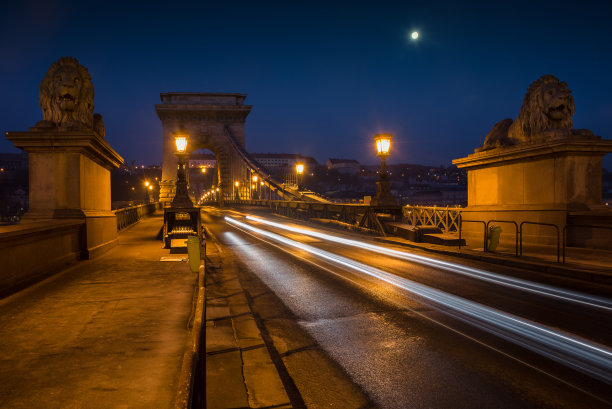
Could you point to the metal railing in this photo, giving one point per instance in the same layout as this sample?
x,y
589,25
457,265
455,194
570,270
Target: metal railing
x,y
130,215
588,226
484,236
360,216
366,217
541,224
446,218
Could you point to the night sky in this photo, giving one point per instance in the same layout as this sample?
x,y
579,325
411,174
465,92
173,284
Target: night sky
x,y
322,77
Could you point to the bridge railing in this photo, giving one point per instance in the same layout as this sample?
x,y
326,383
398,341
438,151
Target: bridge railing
x,y
130,215
358,216
446,218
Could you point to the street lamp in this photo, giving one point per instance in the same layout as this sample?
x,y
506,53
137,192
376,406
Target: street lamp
x,y
181,197
237,190
255,185
299,169
383,186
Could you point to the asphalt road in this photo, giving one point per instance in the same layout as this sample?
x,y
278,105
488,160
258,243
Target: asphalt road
x,y
406,349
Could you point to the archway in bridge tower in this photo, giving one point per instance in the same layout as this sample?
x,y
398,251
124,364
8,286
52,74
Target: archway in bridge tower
x,y
203,176
212,121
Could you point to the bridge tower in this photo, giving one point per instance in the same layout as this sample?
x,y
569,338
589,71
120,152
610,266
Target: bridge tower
x,y
214,121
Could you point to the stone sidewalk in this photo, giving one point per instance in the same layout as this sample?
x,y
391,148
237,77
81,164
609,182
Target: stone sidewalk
x,y
105,333
240,372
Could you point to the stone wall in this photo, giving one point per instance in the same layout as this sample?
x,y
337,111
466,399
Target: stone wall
x,y
32,251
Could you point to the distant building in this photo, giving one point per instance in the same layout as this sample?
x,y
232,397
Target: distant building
x,y
202,160
345,166
283,160
13,162
14,186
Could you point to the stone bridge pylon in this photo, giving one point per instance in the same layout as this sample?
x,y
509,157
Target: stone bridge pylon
x,y
211,120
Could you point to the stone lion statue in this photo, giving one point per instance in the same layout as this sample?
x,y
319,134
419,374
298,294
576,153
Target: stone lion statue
x,y
66,98
546,114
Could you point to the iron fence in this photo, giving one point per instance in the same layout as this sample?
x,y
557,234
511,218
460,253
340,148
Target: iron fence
x,y
130,215
360,216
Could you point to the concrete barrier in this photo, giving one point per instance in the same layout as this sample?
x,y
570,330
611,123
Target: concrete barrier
x,y
32,251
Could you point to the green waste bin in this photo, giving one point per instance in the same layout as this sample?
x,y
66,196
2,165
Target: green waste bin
x,y
493,238
193,250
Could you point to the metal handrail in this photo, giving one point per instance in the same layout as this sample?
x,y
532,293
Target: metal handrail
x,y
130,215
516,232
484,225
591,226
540,224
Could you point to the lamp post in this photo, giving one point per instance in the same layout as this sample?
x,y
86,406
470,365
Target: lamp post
x,y
383,186
237,190
299,169
181,197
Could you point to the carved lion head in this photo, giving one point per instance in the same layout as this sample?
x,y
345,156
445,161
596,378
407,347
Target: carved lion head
x,y
66,95
547,110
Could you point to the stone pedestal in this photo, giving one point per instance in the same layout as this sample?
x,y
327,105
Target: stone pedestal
x,y
535,182
69,175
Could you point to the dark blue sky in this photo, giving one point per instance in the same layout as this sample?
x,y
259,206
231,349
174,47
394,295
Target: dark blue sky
x,y
322,77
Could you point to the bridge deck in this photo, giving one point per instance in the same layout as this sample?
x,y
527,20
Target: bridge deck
x,y
105,333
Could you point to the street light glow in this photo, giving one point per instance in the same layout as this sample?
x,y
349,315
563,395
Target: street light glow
x,y
181,142
383,143
299,168
414,35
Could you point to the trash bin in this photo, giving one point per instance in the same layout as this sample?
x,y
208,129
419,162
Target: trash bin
x,y
193,250
493,238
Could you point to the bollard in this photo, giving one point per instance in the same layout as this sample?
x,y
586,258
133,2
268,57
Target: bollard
x,y
193,250
493,239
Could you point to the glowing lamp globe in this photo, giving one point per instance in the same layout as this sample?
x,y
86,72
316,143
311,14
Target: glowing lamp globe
x,y
299,168
181,142
383,143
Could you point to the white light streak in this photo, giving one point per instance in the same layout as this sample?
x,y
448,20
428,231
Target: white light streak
x,y
516,283
582,355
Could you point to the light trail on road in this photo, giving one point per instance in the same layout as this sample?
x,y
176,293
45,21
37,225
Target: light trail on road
x,y
587,357
523,285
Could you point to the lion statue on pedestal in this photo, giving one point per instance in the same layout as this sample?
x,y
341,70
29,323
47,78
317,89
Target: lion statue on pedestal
x,y
66,98
546,114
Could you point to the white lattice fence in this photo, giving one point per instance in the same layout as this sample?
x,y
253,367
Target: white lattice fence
x,y
446,218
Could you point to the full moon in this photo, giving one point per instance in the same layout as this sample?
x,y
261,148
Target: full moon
x,y
414,35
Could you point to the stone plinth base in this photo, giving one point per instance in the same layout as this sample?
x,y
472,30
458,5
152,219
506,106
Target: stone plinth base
x,y
70,179
167,189
533,182
31,251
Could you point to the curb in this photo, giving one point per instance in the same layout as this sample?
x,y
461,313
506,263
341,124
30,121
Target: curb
x,y
187,375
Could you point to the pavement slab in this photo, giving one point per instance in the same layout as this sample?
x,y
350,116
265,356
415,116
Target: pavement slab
x,y
105,333
240,372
